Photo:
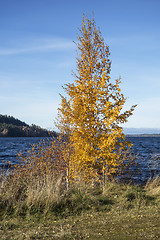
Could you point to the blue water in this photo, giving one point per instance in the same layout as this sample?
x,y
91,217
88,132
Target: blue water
x,y
10,147
148,149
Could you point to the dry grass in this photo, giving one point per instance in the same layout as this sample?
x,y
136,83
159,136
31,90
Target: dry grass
x,y
153,186
44,192
40,193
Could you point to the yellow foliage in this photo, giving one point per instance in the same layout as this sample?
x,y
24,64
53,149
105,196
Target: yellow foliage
x,y
92,114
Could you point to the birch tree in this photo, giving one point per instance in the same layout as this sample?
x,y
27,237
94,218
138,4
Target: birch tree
x,y
92,113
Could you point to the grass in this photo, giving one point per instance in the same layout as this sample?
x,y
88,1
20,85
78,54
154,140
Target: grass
x,y
114,224
43,209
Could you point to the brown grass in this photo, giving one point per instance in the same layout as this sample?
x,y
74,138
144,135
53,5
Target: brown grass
x,y
153,186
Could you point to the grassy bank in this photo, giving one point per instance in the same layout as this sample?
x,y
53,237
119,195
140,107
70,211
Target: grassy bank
x,y
42,208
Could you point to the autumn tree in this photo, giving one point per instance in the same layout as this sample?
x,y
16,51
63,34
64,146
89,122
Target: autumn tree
x,y
92,113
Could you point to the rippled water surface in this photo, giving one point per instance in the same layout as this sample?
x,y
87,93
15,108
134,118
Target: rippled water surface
x,y
148,149
10,147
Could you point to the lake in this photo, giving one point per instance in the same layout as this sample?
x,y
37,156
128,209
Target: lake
x,y
148,149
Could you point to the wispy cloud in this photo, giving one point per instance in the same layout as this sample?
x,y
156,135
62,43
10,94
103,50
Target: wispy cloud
x,y
38,45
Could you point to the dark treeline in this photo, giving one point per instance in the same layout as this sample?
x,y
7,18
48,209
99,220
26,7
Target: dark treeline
x,y
11,120
12,127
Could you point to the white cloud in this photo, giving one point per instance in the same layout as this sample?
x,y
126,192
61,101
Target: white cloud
x,y
38,45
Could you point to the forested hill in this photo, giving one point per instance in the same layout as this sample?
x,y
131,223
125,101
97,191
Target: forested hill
x,y
11,120
12,127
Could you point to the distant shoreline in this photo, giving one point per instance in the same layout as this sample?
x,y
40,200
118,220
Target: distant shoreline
x,y
54,134
142,135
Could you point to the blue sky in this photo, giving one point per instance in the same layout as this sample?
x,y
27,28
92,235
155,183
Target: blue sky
x,y
37,54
